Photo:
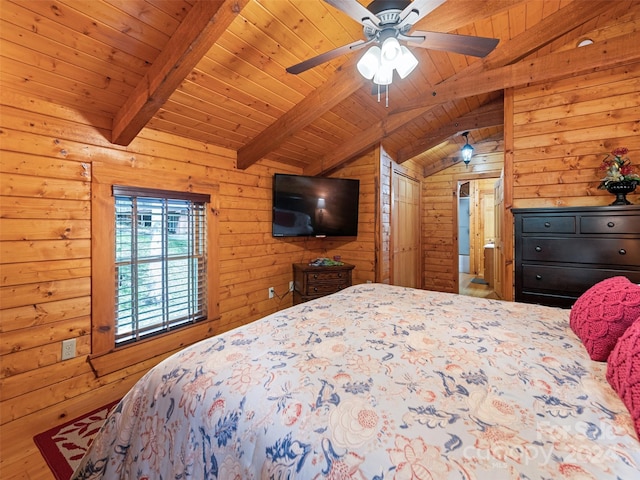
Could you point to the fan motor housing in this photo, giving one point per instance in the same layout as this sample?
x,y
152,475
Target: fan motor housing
x,y
388,13
380,7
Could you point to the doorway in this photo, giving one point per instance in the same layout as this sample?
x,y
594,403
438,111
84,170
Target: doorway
x,y
476,237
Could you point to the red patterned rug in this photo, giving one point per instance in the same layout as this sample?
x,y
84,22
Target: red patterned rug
x,y
64,446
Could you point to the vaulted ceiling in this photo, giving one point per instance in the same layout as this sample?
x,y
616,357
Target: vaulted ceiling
x,y
215,71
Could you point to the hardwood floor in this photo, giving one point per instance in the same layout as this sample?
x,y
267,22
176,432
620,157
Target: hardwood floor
x,y
29,464
475,289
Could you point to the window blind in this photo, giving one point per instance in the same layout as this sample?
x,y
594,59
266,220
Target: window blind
x,y
160,262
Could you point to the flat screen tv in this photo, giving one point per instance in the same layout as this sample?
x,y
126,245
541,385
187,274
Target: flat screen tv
x,y
314,206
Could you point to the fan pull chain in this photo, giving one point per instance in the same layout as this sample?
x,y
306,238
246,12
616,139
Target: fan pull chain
x,y
386,94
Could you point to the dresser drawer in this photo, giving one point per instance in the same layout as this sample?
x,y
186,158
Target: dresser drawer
x,y
603,251
572,281
550,224
621,224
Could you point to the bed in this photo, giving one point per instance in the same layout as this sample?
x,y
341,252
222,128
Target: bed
x,y
376,382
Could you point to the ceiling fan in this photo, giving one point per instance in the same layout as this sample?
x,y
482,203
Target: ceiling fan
x,y
385,24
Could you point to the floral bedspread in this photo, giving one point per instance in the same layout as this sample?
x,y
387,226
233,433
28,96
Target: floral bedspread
x,y
376,382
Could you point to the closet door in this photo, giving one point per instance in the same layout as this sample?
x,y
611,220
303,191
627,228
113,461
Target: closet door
x,y
405,232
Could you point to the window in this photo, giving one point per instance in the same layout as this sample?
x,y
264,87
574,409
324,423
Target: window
x,y
160,262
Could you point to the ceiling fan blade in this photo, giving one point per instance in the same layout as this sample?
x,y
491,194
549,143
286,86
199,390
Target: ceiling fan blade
x,y
450,42
356,11
326,56
416,10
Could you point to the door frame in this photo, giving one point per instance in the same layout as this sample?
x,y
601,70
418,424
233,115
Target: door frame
x,y
458,180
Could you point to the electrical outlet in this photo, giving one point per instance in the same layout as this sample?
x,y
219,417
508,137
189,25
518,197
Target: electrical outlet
x,y
291,286
272,292
68,348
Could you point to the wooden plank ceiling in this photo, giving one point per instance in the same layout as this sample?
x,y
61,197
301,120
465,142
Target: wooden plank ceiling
x,y
214,71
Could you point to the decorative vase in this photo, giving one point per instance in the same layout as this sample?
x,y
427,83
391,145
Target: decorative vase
x,y
620,190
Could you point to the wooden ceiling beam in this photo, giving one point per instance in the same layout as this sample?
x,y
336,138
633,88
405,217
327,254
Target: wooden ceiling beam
x,y
488,115
317,103
563,21
203,25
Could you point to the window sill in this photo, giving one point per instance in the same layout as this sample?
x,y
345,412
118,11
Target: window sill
x,y
159,346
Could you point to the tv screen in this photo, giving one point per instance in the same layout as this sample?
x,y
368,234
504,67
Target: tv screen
x,y
314,206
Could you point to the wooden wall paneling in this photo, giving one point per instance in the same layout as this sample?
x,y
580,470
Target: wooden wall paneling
x,y
564,129
44,142
361,251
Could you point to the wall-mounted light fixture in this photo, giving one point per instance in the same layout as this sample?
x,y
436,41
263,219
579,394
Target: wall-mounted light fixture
x,y
467,150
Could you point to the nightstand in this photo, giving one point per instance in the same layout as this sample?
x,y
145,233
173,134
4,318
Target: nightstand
x,y
314,282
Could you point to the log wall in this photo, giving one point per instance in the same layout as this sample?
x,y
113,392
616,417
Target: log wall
x,y
559,133
45,254
563,130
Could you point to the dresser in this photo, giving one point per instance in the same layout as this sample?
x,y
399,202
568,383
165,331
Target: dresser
x,y
311,282
561,252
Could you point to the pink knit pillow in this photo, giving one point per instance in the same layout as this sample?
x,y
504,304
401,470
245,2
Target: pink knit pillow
x,y
623,371
602,314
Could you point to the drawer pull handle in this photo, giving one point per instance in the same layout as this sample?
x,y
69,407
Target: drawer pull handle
x,y
315,289
622,251
547,224
538,248
611,224
538,277
315,275
339,275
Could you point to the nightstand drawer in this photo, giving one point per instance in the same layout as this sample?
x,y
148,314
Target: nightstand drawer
x,y
324,288
550,224
604,251
324,276
610,224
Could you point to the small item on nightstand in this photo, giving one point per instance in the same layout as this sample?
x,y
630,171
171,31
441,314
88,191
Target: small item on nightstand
x,y
337,258
325,262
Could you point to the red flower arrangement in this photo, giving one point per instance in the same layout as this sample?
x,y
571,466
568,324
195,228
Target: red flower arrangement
x,y
618,168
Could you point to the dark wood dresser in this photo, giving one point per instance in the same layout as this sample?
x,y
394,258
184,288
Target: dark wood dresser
x,y
561,252
311,282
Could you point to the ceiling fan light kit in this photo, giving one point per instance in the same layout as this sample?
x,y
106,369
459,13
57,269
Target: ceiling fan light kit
x,y
379,63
